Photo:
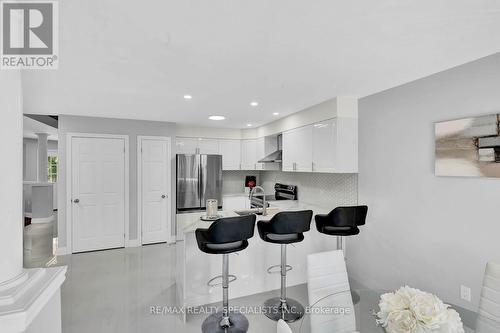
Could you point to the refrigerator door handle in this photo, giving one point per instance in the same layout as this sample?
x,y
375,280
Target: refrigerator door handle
x,y
201,177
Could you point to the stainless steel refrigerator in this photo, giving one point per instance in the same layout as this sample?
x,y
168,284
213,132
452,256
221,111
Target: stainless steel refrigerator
x,y
199,178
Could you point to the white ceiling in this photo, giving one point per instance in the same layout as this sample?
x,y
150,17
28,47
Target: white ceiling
x,y
31,127
136,59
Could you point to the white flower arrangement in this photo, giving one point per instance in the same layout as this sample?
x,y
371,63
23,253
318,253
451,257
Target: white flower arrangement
x,y
410,310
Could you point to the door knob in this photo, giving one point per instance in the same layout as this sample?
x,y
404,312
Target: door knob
x,y
163,196
76,200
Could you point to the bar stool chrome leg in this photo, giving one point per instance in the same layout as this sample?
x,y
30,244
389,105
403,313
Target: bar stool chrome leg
x,y
282,307
225,321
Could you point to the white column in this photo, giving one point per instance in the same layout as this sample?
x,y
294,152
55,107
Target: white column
x,y
11,177
42,151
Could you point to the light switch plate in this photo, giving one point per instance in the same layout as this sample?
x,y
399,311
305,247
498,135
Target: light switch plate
x,y
465,293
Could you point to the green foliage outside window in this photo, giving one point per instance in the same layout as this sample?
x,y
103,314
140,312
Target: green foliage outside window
x,y
52,169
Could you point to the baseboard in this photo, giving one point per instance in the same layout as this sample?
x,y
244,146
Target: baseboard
x,y
62,251
38,220
132,243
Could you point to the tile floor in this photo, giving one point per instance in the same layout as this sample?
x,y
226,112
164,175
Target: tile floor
x,y
113,291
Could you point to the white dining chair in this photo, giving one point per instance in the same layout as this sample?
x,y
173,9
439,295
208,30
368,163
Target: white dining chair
x,y
283,327
489,303
328,286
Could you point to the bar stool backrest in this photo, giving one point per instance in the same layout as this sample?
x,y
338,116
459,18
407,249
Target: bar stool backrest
x,y
291,222
232,229
348,216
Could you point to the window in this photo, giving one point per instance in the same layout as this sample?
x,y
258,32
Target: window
x,y
52,169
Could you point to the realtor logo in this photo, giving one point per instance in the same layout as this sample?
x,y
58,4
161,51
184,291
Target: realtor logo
x,y
29,34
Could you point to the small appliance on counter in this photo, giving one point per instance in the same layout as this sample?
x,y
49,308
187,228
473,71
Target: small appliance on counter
x,y
281,192
250,183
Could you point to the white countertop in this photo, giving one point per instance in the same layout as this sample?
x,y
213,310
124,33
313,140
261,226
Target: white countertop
x,y
238,194
189,222
196,268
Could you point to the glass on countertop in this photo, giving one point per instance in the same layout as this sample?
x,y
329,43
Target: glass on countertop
x,y
212,207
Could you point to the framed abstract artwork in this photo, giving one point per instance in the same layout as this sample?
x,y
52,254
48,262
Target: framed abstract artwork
x,y
468,147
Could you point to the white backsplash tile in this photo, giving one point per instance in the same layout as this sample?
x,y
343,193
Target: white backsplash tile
x,y
322,189
234,181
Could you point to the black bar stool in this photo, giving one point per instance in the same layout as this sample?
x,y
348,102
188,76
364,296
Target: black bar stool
x,y
342,221
224,236
284,228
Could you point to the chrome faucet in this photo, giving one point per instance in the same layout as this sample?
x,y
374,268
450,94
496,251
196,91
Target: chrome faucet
x,y
264,203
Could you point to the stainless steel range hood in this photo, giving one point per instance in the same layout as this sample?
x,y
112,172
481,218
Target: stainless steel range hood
x,y
275,156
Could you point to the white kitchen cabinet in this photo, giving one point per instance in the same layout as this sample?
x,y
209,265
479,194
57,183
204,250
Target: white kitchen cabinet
x,y
260,152
248,154
186,145
324,146
197,146
208,146
297,149
335,146
231,154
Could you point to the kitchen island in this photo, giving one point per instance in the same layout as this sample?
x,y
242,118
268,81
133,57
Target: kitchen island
x,y
196,268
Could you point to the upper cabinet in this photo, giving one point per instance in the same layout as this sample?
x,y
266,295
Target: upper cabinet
x,y
231,154
186,145
297,149
197,146
260,153
208,146
329,146
335,146
324,150
249,154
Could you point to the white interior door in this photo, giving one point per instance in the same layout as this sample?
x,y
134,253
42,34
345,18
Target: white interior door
x,y
155,186
97,193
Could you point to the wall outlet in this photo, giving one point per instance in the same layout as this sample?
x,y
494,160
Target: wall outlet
x,y
465,293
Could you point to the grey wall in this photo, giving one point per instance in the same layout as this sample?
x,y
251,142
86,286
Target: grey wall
x,y
30,157
132,128
434,233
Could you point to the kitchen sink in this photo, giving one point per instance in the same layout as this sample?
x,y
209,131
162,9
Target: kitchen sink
x,y
243,212
258,211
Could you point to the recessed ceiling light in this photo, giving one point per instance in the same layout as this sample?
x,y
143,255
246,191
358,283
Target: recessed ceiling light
x,y
275,113
216,117
188,97
254,103
249,125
